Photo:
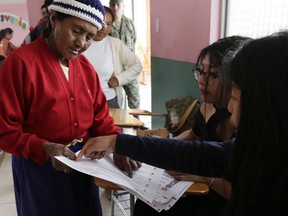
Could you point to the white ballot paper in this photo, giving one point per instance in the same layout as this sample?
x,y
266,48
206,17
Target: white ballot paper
x,y
152,185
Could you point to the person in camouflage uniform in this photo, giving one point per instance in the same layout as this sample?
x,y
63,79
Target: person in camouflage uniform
x,y
124,29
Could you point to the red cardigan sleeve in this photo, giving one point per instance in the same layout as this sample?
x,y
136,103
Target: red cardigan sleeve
x,y
12,137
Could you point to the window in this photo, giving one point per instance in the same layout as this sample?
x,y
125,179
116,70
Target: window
x,y
255,18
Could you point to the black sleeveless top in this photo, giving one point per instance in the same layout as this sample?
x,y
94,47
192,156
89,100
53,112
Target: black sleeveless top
x,y
209,131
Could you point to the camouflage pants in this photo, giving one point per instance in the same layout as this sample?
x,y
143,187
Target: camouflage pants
x,y
132,91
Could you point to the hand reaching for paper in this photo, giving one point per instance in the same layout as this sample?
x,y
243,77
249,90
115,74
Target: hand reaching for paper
x,y
98,147
127,164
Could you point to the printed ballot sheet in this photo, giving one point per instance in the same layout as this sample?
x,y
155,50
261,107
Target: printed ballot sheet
x,y
152,185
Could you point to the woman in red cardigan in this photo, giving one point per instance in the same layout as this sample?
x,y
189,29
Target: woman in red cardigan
x,y
50,94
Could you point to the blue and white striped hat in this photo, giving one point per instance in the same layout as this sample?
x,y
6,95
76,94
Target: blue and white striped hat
x,y
89,10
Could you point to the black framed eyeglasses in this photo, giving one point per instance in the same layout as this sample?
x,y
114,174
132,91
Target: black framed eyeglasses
x,y
209,76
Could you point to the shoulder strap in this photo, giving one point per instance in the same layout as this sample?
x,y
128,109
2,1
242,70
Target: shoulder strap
x,y
185,116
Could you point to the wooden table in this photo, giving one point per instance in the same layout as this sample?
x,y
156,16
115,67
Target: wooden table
x,y
123,118
128,123
145,112
194,189
198,189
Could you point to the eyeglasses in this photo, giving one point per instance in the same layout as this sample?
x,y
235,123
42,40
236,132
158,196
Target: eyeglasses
x,y
209,76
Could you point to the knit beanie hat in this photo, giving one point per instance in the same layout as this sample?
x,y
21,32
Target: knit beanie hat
x,y
89,10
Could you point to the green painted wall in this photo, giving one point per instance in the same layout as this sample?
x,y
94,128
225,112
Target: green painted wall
x,y
170,79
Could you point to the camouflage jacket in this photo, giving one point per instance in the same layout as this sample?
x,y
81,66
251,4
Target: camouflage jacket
x,y
126,32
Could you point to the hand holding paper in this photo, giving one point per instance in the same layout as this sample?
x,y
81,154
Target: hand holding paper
x,y
152,185
98,147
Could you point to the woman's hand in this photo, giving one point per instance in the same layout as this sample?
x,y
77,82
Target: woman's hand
x,y
113,82
56,149
126,164
219,185
98,147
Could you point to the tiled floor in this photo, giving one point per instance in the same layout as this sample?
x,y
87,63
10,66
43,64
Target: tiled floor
x,y
7,200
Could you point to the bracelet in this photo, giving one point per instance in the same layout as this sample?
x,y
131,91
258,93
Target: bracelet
x,y
212,180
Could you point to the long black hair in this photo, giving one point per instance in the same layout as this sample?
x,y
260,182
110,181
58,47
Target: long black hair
x,y
259,170
4,32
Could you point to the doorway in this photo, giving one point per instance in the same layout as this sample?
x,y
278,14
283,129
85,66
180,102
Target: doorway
x,y
139,12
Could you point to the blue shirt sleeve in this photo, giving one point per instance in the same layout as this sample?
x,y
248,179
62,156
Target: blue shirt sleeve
x,y
206,158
